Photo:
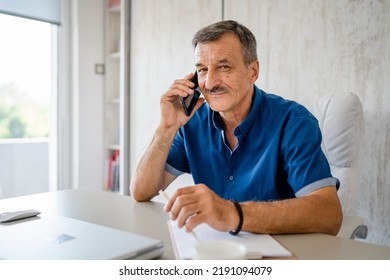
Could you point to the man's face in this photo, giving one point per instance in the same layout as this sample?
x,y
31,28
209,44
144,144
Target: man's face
x,y
224,79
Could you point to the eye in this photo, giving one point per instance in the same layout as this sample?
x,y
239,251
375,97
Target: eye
x,y
202,71
224,67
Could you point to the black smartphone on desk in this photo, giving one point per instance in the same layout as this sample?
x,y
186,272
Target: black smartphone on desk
x,y
189,101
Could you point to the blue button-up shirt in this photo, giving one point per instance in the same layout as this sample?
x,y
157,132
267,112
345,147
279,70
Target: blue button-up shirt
x,y
278,155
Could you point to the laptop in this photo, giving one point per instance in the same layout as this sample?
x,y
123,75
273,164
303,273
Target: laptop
x,y
62,238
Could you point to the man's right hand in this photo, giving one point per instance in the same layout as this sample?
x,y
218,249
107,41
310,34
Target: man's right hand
x,y
172,113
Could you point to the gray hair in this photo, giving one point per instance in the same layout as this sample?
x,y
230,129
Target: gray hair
x,y
216,30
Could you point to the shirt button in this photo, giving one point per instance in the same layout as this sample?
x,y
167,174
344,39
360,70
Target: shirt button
x,y
231,178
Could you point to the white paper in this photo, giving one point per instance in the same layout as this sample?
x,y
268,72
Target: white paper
x,y
256,244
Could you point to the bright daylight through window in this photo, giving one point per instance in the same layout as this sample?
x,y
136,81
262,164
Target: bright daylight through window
x,y
25,78
28,80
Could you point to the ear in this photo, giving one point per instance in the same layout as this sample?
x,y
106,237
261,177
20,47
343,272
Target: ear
x,y
255,70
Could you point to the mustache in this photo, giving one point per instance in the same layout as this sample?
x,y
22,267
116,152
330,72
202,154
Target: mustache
x,y
217,89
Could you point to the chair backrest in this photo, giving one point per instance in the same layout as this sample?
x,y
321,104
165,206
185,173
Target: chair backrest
x,y
340,118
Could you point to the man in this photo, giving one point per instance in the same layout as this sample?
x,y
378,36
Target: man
x,y
256,158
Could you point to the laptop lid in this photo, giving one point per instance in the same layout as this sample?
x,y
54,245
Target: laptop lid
x,y
65,238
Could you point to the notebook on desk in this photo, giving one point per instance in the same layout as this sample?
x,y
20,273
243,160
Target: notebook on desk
x,y
257,244
64,238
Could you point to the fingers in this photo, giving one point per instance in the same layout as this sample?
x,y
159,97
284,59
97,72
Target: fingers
x,y
172,113
183,205
194,221
194,205
181,197
182,87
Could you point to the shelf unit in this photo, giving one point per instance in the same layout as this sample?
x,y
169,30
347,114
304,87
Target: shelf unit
x,y
117,95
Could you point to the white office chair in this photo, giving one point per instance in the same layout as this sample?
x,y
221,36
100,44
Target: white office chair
x,y
340,118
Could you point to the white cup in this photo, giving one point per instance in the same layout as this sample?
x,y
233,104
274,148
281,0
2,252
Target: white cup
x,y
219,250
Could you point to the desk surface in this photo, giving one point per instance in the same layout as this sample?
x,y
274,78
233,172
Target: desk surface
x,y
148,218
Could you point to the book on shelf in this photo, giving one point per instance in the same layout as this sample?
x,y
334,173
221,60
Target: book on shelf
x,y
114,3
112,183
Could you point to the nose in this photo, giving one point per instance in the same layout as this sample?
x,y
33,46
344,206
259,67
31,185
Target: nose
x,y
212,79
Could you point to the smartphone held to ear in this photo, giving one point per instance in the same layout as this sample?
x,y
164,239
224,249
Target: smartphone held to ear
x,y
189,101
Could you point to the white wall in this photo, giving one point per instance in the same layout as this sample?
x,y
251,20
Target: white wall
x,y
87,94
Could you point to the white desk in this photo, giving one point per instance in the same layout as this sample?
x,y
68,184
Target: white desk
x,y
148,218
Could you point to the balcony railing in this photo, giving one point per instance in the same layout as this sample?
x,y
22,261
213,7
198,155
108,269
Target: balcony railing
x,y
24,166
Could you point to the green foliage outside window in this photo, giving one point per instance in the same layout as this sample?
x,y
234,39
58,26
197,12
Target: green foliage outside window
x,y
21,116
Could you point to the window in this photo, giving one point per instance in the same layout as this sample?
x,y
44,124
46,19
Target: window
x,y
28,89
